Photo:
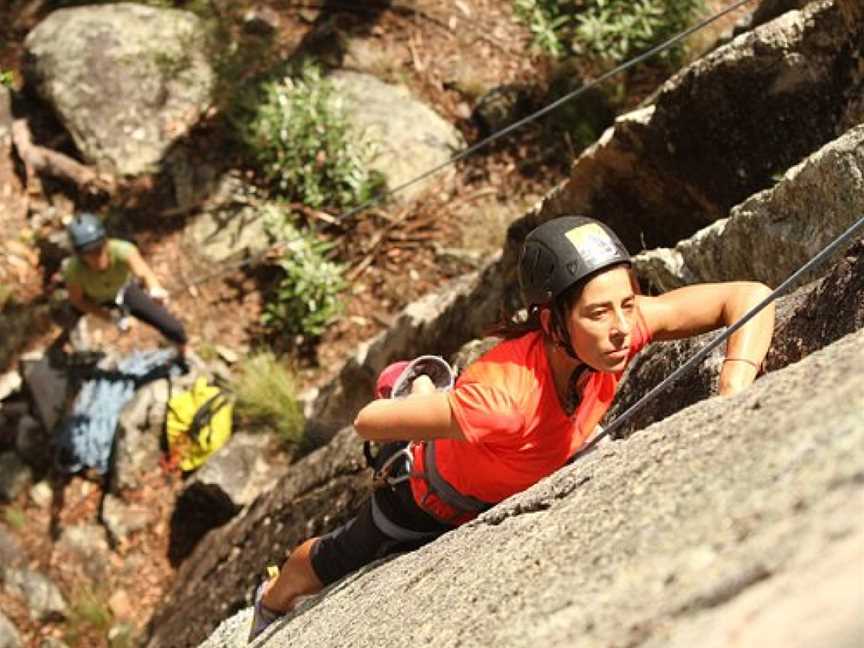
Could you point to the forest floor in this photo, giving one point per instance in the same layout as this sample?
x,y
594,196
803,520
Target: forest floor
x,y
392,255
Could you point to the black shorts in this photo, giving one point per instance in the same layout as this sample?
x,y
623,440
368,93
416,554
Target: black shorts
x,y
388,522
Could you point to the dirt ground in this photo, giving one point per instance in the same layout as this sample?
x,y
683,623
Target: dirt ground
x,y
391,260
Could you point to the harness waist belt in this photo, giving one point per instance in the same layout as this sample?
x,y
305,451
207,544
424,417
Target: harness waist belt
x,y
442,488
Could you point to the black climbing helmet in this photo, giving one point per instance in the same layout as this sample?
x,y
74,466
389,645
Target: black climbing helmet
x,y
563,251
86,232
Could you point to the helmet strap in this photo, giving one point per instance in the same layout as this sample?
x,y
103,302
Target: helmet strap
x,y
559,334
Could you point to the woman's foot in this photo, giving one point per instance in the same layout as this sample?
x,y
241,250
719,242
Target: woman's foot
x,y
262,617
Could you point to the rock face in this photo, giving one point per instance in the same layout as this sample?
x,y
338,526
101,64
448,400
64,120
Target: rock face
x,y
643,543
776,231
125,79
409,137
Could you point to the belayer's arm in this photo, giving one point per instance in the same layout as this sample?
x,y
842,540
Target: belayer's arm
x,y
141,270
703,307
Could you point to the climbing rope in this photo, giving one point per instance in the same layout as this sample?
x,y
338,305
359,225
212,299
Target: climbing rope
x,y
546,109
713,344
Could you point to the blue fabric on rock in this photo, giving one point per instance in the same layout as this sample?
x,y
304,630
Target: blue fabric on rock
x,y
85,438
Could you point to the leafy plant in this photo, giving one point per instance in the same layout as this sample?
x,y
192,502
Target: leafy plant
x,y
610,31
266,395
88,614
7,78
306,297
296,133
15,518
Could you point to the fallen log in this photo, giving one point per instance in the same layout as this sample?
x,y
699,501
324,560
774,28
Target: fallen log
x,y
38,159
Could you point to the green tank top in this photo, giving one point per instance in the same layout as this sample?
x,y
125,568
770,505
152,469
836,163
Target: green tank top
x,y
101,287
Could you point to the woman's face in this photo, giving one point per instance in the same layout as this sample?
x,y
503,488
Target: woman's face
x,y
601,320
97,259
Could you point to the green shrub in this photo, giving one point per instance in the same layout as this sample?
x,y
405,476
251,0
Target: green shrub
x,y
296,134
610,31
306,298
88,614
7,78
266,395
15,518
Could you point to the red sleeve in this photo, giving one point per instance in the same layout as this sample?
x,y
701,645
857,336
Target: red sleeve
x,y
485,414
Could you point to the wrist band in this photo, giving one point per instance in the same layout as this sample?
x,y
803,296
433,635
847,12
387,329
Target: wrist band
x,y
750,362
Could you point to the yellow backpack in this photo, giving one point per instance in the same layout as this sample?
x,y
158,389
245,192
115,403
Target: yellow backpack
x,y
198,423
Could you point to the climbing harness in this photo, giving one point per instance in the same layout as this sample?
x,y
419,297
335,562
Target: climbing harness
x,y
394,462
713,344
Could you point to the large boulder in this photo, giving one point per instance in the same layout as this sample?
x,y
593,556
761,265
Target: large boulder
x,y
126,80
9,637
775,232
408,137
231,223
40,593
654,541
232,478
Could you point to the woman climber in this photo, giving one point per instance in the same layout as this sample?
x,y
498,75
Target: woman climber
x,y
102,280
524,408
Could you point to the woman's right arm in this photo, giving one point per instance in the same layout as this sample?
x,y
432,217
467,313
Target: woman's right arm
x,y
418,417
80,301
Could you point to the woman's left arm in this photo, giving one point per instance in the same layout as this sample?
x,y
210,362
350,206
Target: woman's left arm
x,y
703,307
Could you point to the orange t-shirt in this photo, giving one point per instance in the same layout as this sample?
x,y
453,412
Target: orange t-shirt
x,y
516,431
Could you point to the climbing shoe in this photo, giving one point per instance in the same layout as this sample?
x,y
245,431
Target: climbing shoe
x,y
262,617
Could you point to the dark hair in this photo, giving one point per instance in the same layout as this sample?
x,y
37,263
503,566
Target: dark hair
x,y
512,325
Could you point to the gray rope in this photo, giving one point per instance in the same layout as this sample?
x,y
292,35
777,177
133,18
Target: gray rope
x,y
546,109
708,348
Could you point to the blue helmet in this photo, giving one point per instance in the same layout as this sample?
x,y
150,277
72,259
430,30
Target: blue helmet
x,y
86,232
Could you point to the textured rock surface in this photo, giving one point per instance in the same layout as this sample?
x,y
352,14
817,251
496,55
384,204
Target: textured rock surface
x,y
231,224
9,637
126,80
231,479
776,231
42,596
642,540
